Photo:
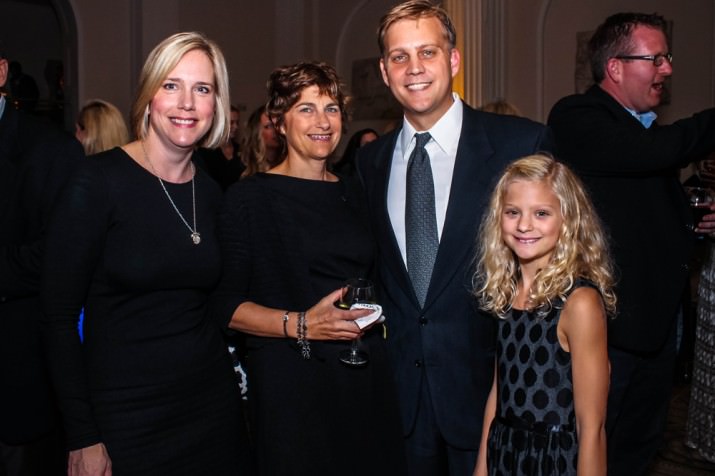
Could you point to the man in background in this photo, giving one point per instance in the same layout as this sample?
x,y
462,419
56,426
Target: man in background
x,y
630,166
35,160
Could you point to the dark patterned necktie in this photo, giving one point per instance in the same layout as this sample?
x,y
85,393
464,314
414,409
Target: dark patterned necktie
x,y
420,218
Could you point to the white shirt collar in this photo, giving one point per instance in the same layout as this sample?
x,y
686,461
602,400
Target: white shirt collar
x,y
445,132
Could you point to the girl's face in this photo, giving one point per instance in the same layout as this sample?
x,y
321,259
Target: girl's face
x,y
531,222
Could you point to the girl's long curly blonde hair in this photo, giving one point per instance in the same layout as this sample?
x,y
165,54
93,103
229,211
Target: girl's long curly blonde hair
x,y
581,252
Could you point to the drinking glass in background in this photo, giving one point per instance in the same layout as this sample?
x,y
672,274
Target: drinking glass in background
x,y
701,198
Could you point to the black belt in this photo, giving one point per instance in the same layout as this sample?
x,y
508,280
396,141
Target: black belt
x,y
539,427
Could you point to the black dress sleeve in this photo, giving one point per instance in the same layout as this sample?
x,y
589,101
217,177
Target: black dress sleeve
x,y
73,250
234,236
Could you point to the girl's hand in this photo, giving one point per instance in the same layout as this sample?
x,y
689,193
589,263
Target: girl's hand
x,y
325,321
89,461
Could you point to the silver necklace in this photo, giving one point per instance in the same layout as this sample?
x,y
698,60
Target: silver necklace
x,y
195,235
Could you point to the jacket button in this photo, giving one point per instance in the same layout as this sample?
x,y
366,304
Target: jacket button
x,y
423,320
418,363
685,267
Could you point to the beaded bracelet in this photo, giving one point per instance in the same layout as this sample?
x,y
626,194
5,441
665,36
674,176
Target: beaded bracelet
x,y
286,317
301,332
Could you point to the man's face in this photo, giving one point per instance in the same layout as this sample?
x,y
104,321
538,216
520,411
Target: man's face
x,y
418,67
640,85
3,72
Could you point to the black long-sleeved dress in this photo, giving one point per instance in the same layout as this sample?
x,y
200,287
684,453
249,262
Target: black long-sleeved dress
x,y
152,380
287,243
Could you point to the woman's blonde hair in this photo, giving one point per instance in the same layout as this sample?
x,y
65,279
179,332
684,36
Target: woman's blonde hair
x,y
161,61
581,251
102,125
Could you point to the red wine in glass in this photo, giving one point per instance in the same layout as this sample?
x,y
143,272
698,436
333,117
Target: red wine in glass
x,y
700,201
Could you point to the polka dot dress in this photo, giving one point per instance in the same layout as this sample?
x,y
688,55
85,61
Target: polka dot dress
x,y
534,432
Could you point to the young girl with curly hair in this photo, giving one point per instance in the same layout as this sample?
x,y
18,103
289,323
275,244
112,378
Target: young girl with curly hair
x,y
543,268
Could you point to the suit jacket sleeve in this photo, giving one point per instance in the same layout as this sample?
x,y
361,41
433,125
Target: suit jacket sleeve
x,y
599,137
74,246
40,164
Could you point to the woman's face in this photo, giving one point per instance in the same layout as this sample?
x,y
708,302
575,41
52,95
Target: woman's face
x,y
268,133
182,110
313,126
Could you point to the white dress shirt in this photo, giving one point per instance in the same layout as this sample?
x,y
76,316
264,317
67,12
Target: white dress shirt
x,y
442,150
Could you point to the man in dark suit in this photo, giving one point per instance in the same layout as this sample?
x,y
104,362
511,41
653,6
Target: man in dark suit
x,y
441,347
630,165
35,159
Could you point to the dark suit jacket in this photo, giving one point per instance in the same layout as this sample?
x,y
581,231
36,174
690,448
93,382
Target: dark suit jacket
x,y
449,342
35,160
632,175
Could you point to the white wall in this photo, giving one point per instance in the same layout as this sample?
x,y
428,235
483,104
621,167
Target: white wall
x,y
255,36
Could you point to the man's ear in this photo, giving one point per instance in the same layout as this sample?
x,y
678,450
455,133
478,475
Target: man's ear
x,y
455,61
614,70
385,79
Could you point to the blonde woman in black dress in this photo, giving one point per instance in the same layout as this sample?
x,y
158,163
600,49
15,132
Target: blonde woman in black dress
x,y
151,389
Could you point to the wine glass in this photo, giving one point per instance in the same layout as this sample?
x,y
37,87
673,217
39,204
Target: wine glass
x,y
700,200
357,290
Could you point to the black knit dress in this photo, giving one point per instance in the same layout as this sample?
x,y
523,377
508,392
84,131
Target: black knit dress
x,y
288,242
152,379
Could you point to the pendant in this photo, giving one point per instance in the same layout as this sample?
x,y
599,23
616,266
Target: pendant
x,y
196,237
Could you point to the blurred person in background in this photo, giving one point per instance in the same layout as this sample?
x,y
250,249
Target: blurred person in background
x,y
224,163
346,164
100,126
261,148
36,160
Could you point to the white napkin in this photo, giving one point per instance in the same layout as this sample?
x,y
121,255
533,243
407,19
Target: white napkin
x,y
365,321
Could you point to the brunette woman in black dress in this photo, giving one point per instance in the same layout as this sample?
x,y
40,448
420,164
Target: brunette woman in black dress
x,y
290,239
151,389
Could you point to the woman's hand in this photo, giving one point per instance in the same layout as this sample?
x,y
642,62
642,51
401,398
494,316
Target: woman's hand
x,y
326,322
90,461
